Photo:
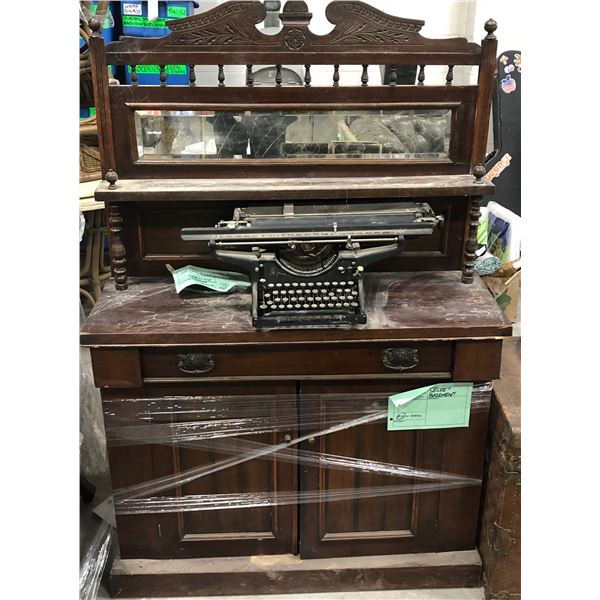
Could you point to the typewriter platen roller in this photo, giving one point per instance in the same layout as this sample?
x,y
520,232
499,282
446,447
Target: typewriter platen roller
x,y
306,261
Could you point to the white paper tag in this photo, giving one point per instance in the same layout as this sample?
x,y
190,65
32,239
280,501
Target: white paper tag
x,y
132,9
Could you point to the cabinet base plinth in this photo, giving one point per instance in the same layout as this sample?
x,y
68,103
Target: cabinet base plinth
x,y
137,578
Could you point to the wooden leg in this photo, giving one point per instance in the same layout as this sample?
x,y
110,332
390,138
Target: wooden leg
x,y
468,271
117,249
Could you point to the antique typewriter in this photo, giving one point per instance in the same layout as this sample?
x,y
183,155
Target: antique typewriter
x,y
306,260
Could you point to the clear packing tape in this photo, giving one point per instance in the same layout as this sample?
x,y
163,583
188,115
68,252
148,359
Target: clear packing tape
x,y
215,424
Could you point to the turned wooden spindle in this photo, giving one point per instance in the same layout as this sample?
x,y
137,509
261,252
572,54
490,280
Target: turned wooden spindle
x,y
249,76
468,272
364,79
134,75
278,76
192,78
450,75
421,77
393,76
307,77
117,249
336,75
221,76
163,75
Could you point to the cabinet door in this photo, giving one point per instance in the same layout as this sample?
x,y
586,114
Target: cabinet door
x,y
415,522
214,532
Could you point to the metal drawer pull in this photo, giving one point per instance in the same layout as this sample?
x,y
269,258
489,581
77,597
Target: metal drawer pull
x,y
195,364
400,359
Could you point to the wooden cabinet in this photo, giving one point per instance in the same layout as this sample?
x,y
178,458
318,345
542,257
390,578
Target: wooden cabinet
x,y
430,319
289,389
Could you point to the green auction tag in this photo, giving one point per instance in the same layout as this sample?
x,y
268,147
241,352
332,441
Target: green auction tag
x,y
197,277
141,21
169,69
439,406
176,12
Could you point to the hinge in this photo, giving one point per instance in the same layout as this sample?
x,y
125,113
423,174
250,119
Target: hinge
x,y
159,531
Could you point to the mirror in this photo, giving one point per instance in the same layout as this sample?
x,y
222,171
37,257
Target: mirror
x,y
287,134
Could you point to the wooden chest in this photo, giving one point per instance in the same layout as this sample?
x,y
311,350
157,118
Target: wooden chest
x,y
500,541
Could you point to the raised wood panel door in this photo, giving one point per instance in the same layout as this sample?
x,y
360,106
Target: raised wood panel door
x,y
386,524
216,532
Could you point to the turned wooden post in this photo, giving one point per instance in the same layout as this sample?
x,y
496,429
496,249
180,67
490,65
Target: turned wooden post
x,y
117,248
468,272
485,83
100,83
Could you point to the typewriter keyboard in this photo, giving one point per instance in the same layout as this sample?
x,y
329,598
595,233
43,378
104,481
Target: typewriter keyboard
x,y
312,295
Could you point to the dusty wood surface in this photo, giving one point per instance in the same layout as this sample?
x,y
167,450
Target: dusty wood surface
x,y
282,574
276,189
431,305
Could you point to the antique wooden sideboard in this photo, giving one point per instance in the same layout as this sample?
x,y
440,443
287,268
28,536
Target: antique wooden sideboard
x,y
167,362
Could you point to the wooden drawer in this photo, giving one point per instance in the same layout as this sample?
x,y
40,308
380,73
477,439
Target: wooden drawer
x,y
393,360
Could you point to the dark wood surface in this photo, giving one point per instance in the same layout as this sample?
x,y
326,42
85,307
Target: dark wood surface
x,y
125,100
399,305
232,532
152,237
418,522
227,35
281,574
317,188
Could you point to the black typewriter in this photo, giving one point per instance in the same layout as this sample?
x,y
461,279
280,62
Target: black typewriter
x,y
306,260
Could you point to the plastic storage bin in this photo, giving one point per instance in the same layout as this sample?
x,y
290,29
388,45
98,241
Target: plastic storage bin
x,y
135,22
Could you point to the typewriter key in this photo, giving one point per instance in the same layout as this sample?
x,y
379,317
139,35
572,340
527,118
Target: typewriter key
x,y
290,306
306,306
279,285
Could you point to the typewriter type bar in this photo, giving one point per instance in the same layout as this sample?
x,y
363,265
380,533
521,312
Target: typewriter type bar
x,y
306,261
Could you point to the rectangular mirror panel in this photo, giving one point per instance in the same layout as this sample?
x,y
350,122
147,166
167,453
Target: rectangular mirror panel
x,y
415,134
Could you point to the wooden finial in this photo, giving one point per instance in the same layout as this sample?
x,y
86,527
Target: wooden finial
x,y
490,26
95,24
479,171
295,12
112,178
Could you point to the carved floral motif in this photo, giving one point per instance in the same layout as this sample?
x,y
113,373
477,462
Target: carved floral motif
x,y
295,39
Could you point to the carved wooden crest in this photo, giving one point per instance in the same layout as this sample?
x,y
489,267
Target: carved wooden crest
x,y
232,28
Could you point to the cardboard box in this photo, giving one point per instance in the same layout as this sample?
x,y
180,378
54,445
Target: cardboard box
x,y
505,285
